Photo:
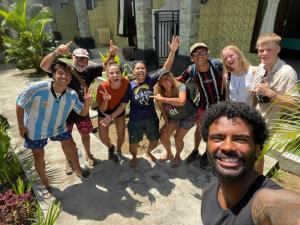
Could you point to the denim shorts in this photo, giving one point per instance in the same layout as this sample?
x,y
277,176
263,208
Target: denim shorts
x,y
185,123
34,144
149,127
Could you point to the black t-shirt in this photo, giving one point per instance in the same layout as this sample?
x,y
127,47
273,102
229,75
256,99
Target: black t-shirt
x,y
91,72
213,214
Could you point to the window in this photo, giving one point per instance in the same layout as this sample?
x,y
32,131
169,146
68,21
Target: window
x,y
90,4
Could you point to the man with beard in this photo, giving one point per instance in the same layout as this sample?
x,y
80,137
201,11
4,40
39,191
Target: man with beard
x,y
83,75
235,134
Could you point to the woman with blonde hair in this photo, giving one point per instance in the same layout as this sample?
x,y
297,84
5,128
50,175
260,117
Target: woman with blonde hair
x,y
238,75
178,112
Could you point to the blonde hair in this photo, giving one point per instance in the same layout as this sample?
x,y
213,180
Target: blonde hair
x,y
242,59
268,37
159,89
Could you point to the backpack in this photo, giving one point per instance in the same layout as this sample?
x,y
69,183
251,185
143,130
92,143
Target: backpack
x,y
191,85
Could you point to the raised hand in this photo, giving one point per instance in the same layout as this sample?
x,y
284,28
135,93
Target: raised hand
x,y
63,48
106,95
87,97
112,48
174,43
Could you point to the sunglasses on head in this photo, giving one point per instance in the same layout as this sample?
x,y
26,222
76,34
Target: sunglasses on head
x,y
200,53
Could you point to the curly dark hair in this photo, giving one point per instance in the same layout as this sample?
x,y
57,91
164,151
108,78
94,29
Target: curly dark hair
x,y
233,110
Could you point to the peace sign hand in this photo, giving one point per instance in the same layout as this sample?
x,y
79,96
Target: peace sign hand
x,y
87,97
106,95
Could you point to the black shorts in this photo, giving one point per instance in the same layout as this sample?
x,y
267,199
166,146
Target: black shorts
x,y
110,111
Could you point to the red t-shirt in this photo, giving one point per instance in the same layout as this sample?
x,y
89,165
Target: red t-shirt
x,y
116,94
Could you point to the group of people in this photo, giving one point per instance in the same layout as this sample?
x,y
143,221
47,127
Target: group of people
x,y
227,90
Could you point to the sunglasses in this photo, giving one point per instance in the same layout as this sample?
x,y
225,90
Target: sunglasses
x,y
197,54
82,59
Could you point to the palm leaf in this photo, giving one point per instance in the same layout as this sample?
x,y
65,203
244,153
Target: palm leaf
x,y
285,131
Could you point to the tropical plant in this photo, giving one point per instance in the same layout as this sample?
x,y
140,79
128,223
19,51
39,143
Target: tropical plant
x,y
27,41
20,187
127,69
104,58
285,131
9,164
51,216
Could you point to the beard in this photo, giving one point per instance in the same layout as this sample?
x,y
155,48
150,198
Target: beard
x,y
79,68
246,164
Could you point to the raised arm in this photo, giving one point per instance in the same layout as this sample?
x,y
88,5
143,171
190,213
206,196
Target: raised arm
x,y
112,53
276,207
173,48
48,59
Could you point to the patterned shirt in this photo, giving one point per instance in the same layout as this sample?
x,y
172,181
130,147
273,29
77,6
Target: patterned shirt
x,y
209,83
45,114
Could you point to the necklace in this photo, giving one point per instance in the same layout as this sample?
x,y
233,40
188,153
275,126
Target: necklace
x,y
237,83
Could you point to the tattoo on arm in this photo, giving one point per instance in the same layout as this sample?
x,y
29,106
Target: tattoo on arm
x,y
276,207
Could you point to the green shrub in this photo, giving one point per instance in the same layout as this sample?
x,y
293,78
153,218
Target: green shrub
x,y
9,164
27,41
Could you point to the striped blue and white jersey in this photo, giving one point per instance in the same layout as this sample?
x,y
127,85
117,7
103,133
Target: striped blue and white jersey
x,y
45,114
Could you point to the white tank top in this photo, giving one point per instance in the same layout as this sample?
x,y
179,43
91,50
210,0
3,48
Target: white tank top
x,y
240,85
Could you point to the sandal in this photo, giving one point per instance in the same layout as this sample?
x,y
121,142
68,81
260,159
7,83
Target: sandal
x,y
91,160
46,192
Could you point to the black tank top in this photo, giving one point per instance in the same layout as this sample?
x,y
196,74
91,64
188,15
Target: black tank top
x,y
213,214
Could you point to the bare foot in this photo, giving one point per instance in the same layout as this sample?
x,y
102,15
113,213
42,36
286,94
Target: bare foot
x,y
133,162
176,162
165,157
151,157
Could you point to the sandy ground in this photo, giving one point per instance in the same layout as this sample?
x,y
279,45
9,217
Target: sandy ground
x,y
287,180
282,177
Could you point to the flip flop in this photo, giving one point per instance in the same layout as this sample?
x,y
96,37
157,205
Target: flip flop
x,y
46,192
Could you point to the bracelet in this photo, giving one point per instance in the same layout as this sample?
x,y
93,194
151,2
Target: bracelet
x,y
54,54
